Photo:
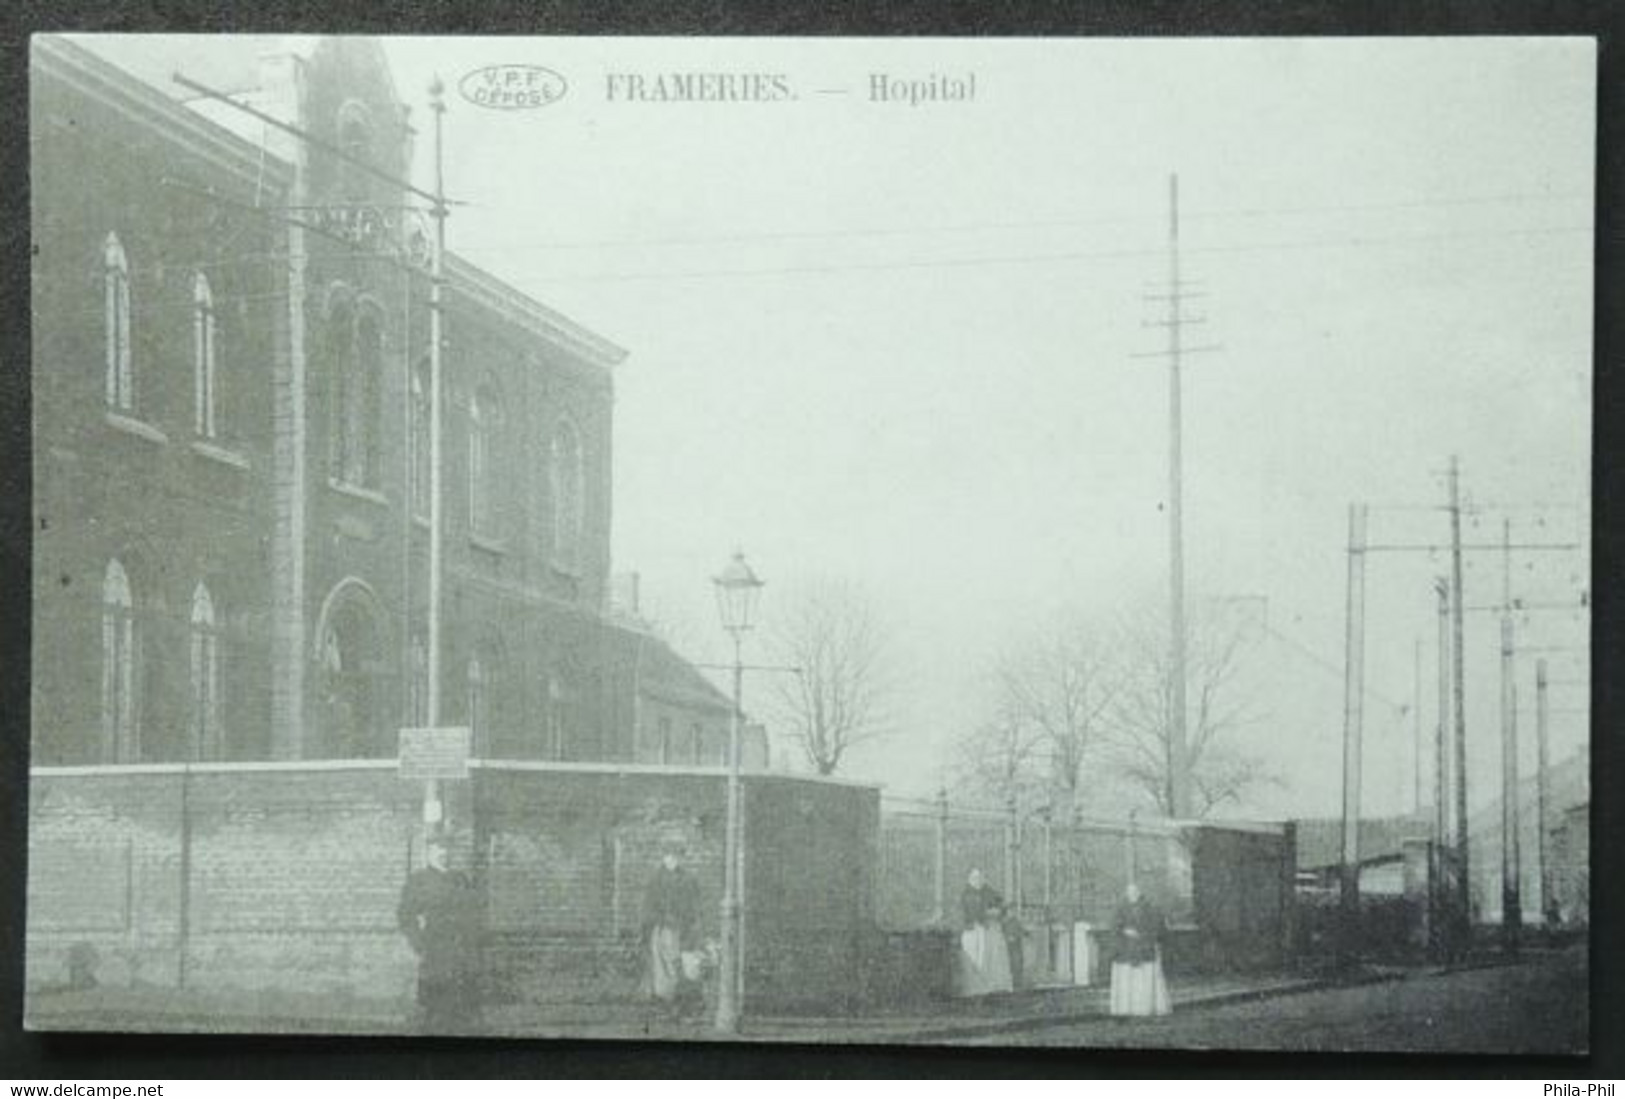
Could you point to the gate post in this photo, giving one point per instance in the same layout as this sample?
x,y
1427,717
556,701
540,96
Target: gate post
x,y
941,880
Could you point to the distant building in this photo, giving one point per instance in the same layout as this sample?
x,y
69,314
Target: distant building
x,y
231,399
1568,845
1381,852
1571,865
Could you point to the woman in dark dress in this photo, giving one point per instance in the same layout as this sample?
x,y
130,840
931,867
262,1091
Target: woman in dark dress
x,y
1138,985
671,914
985,956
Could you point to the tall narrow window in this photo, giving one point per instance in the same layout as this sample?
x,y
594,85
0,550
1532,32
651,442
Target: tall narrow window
x,y
116,298
479,707
355,345
667,748
339,345
355,138
565,472
481,409
205,677
120,742
369,365
352,714
418,439
203,355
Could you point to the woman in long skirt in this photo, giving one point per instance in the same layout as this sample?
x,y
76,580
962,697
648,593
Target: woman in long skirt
x,y
984,953
1138,985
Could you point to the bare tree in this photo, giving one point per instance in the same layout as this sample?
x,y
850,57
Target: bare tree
x,y
998,759
827,629
1216,707
1060,686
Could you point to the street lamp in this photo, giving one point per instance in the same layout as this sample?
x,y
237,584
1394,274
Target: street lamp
x,y
737,590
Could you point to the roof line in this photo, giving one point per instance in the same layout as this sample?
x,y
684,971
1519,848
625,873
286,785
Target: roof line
x,y
487,288
63,59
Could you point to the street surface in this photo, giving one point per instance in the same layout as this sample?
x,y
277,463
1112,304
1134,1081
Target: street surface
x,y
1538,1006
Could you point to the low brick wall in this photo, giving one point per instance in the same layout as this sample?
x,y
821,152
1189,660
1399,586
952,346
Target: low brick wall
x,y
291,877
285,877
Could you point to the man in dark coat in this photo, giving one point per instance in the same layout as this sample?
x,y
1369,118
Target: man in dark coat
x,y
671,917
439,915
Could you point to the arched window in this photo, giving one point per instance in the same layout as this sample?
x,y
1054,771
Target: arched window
x,y
417,684
116,297
369,367
339,346
479,707
353,720
557,718
206,741
355,344
203,355
418,439
568,487
480,410
120,737
484,449
355,138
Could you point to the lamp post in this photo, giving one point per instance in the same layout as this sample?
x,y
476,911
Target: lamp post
x,y
737,588
433,811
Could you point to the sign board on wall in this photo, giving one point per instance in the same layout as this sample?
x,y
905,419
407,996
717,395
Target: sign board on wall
x,y
434,753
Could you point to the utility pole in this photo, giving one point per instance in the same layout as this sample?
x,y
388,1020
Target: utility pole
x,y
1353,699
1458,677
1441,777
432,811
1177,785
1178,780
311,219
1416,729
1452,699
940,877
1511,904
1548,907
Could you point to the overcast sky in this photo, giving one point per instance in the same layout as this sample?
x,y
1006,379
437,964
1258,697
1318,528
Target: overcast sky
x,y
895,343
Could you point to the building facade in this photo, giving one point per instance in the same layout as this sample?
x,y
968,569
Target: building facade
x,y
231,380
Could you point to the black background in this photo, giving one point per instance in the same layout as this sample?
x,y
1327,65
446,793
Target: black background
x,y
136,1058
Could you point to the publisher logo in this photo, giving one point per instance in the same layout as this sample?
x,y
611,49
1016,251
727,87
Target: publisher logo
x,y
512,87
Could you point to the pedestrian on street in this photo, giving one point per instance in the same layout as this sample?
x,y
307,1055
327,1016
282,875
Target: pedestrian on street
x,y
984,945
671,917
439,915
1138,984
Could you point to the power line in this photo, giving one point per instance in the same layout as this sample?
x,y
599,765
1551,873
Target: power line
x,y
1399,708
1004,226
1036,258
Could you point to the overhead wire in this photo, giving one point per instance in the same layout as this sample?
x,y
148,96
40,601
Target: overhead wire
x,y
1004,226
1039,258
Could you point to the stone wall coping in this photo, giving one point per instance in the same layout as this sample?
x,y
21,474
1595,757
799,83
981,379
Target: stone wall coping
x,y
661,769
492,765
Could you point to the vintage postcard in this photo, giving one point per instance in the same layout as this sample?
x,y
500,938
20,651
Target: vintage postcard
x,y
1037,542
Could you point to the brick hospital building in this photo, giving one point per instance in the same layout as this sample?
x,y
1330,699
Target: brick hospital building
x,y
231,441
231,463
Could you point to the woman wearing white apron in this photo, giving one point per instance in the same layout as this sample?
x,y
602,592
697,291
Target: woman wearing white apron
x,y
1138,985
984,954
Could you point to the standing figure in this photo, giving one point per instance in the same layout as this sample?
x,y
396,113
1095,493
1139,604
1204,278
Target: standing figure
x,y
671,916
439,915
1138,985
984,949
